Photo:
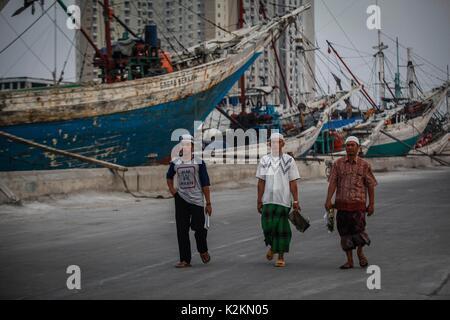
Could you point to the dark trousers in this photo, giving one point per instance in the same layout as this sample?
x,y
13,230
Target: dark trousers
x,y
351,226
187,216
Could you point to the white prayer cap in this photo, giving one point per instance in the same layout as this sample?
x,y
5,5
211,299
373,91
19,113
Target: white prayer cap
x,y
352,139
187,137
276,136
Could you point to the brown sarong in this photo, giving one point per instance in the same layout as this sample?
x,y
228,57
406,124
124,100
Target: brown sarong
x,y
351,226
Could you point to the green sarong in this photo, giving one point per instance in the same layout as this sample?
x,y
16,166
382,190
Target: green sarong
x,y
276,227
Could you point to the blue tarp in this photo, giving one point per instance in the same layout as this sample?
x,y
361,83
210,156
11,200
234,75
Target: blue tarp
x,y
340,124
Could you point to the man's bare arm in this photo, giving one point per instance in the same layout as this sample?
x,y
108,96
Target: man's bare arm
x,y
294,189
171,186
331,190
293,186
207,193
371,207
261,187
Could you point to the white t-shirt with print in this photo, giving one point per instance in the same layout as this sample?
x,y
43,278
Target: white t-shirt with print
x,y
277,172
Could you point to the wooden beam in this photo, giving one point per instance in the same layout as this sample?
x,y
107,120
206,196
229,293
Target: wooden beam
x,y
102,163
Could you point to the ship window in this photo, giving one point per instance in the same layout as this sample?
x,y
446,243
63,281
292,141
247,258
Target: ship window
x,y
7,85
14,85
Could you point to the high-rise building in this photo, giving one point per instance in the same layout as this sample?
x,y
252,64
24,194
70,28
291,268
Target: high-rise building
x,y
295,48
293,52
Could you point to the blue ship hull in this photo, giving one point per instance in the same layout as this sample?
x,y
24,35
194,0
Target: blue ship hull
x,y
125,138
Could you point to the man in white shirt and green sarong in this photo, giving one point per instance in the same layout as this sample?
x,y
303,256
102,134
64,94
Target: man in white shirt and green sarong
x,y
277,175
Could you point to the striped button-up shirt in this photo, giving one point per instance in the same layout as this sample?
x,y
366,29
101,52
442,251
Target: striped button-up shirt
x,y
352,179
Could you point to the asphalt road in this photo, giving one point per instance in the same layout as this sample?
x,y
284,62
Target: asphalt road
x,y
126,248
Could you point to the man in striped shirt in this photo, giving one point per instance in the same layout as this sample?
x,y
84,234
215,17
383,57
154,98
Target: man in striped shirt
x,y
352,179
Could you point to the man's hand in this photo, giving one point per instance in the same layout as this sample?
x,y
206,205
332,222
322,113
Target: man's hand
x,y
171,187
328,205
260,205
208,209
370,209
296,206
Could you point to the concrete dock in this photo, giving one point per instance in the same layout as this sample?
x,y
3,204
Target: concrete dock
x,y
126,247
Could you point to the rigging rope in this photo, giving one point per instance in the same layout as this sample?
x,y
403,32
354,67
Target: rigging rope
x,y
28,28
345,34
206,19
26,45
25,52
415,54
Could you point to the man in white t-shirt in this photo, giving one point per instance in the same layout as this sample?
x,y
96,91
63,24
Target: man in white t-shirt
x,y
192,188
277,175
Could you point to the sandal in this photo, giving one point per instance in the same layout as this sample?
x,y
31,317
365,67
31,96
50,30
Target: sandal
x,y
363,261
182,264
205,257
346,266
269,254
280,263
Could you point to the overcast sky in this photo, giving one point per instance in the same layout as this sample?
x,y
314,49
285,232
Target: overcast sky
x,y
18,59
421,24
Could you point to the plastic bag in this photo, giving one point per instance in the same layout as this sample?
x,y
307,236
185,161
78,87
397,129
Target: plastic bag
x,y
329,218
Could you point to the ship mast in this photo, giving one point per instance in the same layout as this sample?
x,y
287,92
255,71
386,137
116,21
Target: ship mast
x,y
410,75
381,78
446,98
105,59
291,103
398,89
363,90
106,15
55,49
